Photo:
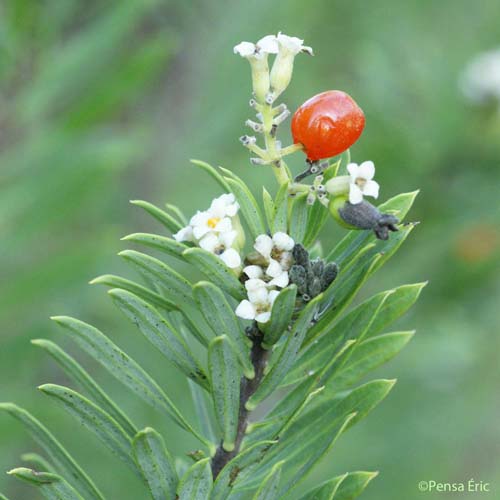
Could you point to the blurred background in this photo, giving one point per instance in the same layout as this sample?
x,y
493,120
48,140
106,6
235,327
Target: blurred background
x,y
105,101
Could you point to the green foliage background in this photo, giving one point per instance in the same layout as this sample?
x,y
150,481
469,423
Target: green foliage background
x,y
105,101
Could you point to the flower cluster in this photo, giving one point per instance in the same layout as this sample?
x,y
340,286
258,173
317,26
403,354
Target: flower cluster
x,y
268,86
217,230
267,270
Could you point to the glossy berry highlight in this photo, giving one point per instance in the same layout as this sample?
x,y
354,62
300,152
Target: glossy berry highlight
x,y
327,124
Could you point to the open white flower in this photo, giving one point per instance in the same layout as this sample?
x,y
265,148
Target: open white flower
x,y
281,73
216,219
362,183
266,45
221,244
260,301
270,248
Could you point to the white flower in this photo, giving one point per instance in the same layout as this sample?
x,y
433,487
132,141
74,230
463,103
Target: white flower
x,y
260,301
216,219
216,230
266,45
281,73
480,81
255,272
220,244
292,44
278,274
362,182
280,242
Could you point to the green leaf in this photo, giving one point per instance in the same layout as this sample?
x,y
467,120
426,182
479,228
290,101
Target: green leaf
x,y
177,212
40,462
268,207
395,306
139,290
248,206
155,463
57,453
205,417
281,315
162,243
166,219
51,486
196,484
225,378
312,434
161,334
213,173
124,368
212,267
245,462
308,461
3,497
299,218
354,240
84,380
287,355
368,355
177,287
325,491
94,419
353,485
280,219
300,397
269,488
221,318
330,336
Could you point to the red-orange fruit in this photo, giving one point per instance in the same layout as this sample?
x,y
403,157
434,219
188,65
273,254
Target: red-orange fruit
x,y
327,124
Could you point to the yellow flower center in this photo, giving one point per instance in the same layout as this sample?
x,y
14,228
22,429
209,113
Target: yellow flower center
x,y
213,222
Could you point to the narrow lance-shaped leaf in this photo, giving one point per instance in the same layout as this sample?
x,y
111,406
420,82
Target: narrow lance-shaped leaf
x,y
177,212
196,483
3,497
205,417
221,318
311,460
298,218
40,463
212,172
82,378
244,463
161,243
355,324
395,306
177,287
141,291
268,202
161,334
353,485
280,220
248,207
369,355
57,453
212,267
325,491
269,488
287,356
94,419
161,216
124,368
51,486
155,464
225,377
281,315
311,434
